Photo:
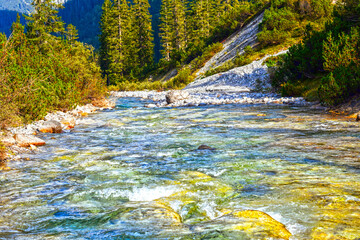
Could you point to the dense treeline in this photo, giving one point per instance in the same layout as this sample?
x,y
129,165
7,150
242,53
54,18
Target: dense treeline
x,y
44,68
328,59
127,48
186,28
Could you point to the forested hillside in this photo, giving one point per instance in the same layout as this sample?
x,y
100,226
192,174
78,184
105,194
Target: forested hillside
x,y
83,14
45,68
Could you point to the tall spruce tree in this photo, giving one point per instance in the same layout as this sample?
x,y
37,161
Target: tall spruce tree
x,y
144,35
173,29
106,27
114,39
166,27
44,22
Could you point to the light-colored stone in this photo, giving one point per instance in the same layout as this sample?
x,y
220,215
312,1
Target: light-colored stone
x,y
51,126
27,140
33,148
69,122
151,105
175,96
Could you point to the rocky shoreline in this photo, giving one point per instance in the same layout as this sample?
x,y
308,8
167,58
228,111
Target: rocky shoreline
x,y
23,139
184,98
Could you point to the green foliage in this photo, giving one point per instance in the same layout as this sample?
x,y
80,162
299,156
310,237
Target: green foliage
x,y
287,19
333,52
40,72
182,79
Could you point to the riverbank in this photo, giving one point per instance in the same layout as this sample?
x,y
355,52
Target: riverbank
x,y
184,98
23,139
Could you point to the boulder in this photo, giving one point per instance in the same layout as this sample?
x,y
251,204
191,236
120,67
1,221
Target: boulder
x,y
174,96
51,127
27,140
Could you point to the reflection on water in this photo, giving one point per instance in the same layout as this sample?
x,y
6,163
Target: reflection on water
x,y
136,173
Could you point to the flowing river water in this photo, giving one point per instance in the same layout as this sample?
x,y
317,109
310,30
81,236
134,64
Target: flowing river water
x,y
277,172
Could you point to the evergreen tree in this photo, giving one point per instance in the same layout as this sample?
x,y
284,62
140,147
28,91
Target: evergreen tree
x,y
117,41
166,27
106,29
144,36
71,34
173,29
44,22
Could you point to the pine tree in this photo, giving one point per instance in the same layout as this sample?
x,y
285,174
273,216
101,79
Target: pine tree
x,y
180,35
114,34
173,29
144,35
71,34
44,22
166,27
106,27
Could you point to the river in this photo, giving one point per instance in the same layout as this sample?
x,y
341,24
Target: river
x,y
136,173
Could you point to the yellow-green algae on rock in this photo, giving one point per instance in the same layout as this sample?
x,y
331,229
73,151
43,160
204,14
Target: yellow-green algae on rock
x,y
260,223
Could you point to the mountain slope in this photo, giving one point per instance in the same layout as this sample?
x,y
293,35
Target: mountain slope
x,y
235,44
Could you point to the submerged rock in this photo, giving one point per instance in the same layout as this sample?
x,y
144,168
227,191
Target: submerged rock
x,y
258,222
205,147
51,127
175,96
153,212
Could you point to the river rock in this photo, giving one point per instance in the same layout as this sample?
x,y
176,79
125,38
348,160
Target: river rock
x,y
51,127
27,140
69,122
256,223
175,96
205,147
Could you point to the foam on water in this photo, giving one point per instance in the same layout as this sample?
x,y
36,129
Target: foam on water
x,y
150,194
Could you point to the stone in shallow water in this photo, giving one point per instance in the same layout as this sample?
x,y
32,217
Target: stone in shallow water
x,y
257,224
205,147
